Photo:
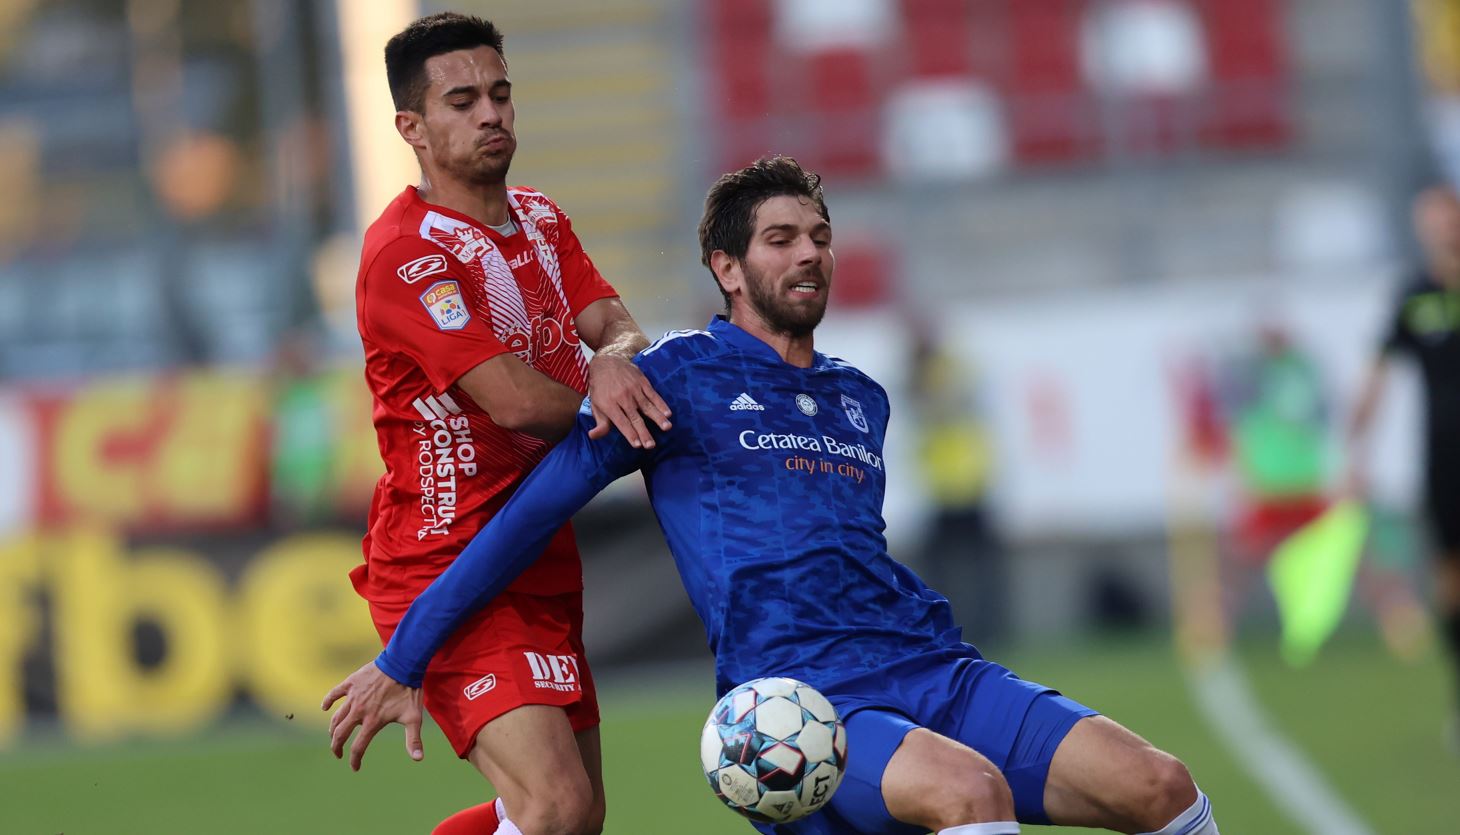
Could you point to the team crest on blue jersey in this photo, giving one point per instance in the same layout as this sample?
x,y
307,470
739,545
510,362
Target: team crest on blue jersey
x,y
806,405
855,414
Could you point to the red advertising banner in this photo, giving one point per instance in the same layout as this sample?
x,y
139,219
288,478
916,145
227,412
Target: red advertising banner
x,y
208,450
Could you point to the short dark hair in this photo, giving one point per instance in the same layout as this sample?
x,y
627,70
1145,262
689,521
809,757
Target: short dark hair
x,y
730,207
406,53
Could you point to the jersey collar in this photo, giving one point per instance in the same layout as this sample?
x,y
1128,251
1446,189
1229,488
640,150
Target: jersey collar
x,y
722,328
424,205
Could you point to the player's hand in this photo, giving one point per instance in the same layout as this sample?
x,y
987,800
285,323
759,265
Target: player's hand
x,y
623,399
372,701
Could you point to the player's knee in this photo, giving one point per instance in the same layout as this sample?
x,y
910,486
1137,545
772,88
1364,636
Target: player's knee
x,y
975,795
1165,790
597,812
567,810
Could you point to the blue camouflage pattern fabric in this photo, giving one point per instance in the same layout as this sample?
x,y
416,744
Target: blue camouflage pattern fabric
x,y
769,489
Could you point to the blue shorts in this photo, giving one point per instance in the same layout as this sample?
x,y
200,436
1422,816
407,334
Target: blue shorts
x,y
1015,723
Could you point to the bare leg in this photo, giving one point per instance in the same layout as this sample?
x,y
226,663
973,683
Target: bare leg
x,y
1103,775
548,783
937,783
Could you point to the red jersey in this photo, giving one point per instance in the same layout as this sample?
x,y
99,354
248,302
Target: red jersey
x,y
437,295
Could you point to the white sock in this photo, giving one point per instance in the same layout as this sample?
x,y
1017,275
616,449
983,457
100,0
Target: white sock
x,y
505,826
991,828
1196,820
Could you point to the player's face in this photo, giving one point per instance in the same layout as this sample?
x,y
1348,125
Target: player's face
x,y
787,269
469,115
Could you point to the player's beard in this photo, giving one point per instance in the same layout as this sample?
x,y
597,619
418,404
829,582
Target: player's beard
x,y
793,317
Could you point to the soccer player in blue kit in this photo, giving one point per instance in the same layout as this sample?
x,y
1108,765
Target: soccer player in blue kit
x,y
769,490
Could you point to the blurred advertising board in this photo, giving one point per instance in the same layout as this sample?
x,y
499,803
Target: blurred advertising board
x,y
165,549
203,450
116,639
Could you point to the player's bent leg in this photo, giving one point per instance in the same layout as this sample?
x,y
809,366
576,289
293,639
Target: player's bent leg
x,y
939,784
590,749
531,756
1103,775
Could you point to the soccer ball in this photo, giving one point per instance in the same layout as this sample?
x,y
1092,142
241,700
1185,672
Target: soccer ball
x,y
774,750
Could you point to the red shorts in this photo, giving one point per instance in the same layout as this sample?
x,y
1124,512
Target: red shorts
x,y
520,650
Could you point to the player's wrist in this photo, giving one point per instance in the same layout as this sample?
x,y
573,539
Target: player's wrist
x,y
385,664
616,352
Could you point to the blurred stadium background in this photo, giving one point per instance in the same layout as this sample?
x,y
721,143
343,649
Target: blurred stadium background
x,y
1086,244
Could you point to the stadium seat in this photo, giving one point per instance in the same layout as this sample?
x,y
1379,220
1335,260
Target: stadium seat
x,y
863,276
1248,107
938,37
844,95
1050,111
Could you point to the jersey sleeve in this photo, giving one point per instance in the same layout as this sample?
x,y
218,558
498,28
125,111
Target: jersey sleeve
x,y
571,474
414,301
583,284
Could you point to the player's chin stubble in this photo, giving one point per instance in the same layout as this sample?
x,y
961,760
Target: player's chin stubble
x,y
795,319
481,169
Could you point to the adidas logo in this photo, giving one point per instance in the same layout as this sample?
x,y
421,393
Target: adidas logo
x,y
745,403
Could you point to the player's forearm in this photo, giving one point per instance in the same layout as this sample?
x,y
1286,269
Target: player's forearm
x,y
520,398
608,328
547,415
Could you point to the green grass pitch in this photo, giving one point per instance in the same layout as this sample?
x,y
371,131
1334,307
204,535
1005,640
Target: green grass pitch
x,y
1371,724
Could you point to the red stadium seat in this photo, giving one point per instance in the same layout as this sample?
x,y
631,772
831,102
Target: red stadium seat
x,y
1248,74
939,37
742,100
863,275
844,96
840,80
1050,111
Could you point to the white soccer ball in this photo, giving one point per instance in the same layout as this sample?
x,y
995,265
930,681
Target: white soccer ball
x,y
774,750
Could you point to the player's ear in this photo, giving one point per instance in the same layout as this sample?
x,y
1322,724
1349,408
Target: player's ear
x,y
411,127
727,270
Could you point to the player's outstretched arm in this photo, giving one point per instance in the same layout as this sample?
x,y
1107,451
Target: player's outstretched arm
x,y
572,474
387,689
620,394
372,701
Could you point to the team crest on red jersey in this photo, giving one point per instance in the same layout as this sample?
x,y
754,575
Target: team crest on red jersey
x,y
444,302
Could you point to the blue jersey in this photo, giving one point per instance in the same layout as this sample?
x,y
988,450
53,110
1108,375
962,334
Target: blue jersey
x,y
769,490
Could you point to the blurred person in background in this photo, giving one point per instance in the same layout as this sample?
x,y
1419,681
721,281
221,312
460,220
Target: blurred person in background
x,y
1424,325
1277,418
769,490
301,454
472,299
1274,416
962,554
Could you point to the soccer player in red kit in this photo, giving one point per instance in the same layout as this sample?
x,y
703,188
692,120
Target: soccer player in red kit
x,y
472,301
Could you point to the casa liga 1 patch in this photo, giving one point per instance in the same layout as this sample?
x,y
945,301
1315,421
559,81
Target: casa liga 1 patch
x,y
444,302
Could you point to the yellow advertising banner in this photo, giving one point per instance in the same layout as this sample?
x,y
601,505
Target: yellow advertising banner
x,y
161,640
